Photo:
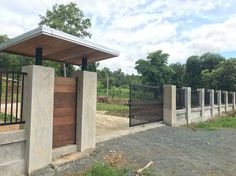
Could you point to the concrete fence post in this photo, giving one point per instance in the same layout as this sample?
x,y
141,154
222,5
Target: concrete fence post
x,y
233,97
38,115
169,111
86,110
226,101
212,100
219,100
202,102
187,103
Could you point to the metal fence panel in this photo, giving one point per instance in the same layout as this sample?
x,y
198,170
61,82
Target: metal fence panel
x,y
11,97
145,105
195,96
180,98
207,98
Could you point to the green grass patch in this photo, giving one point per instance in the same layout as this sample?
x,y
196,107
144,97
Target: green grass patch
x,y
113,109
106,170
223,122
2,116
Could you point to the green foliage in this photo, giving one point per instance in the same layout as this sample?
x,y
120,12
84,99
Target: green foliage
x,y
119,92
116,79
154,70
223,77
67,18
198,69
113,109
178,76
223,122
106,170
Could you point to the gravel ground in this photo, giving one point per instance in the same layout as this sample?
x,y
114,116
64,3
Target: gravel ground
x,y
174,151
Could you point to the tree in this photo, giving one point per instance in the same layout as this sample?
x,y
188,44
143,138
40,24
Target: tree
x,y
223,77
193,72
210,61
67,18
178,76
154,69
197,66
93,67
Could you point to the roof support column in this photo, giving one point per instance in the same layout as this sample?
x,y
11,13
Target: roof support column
x,y
84,63
39,56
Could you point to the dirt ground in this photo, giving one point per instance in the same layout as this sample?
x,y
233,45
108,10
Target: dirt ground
x,y
109,127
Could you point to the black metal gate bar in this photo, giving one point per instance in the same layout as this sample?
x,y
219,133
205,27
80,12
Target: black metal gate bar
x,y
145,104
10,90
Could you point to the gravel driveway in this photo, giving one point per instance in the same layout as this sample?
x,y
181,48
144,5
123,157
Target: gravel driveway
x,y
174,151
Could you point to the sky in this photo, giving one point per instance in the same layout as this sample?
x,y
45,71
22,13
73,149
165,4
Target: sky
x,y
135,28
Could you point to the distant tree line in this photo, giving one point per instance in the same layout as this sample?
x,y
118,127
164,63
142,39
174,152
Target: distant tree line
x,y
210,71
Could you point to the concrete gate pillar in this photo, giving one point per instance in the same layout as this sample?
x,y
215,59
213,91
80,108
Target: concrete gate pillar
x,y
38,115
86,110
169,105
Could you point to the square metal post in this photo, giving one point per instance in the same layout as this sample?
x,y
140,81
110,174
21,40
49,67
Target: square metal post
x,y
84,63
39,56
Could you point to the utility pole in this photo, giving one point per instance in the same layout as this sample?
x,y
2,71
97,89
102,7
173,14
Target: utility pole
x,y
107,84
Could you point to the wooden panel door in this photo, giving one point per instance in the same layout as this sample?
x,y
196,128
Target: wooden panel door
x,y
64,120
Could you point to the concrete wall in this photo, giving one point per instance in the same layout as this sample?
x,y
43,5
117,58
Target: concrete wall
x,y
12,153
181,117
203,113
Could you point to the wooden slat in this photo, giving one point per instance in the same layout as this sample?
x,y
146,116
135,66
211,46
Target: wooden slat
x,y
64,112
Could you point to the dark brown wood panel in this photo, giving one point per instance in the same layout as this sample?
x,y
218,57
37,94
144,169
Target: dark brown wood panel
x,y
64,112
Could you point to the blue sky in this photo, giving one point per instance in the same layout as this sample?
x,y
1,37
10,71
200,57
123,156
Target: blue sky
x,y
180,28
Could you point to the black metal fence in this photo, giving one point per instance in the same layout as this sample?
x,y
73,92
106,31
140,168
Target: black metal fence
x,y
215,98
11,97
195,96
222,98
180,98
230,98
145,105
207,98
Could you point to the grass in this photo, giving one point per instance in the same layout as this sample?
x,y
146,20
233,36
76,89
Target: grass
x,y
2,115
223,122
106,170
113,109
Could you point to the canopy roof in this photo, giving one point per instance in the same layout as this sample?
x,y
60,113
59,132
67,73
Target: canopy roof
x,y
57,46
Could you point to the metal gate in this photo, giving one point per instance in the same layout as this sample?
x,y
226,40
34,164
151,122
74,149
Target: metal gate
x,y
145,105
64,120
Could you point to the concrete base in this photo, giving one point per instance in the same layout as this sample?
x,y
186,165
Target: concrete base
x,y
65,150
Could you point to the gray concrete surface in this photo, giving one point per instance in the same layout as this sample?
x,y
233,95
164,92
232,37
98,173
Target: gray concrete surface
x,y
86,110
12,153
38,115
169,104
174,151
